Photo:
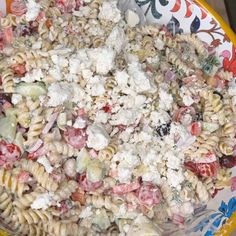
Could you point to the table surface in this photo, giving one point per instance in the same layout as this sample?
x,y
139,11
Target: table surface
x,y
226,9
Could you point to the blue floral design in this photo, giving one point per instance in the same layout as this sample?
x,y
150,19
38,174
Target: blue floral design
x,y
216,219
173,26
152,4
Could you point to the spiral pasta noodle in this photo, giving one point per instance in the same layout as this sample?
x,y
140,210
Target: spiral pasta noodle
x,y
10,182
23,114
65,190
26,200
32,216
39,173
62,148
36,122
5,205
7,81
193,40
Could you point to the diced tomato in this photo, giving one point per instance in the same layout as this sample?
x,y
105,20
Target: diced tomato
x,y
23,176
107,108
196,128
76,137
79,196
87,185
203,169
18,7
19,69
149,194
9,153
126,188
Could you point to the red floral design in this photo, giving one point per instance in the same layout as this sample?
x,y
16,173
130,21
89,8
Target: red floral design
x,y
229,61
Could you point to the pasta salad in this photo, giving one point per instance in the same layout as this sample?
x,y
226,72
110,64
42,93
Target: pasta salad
x,y
108,126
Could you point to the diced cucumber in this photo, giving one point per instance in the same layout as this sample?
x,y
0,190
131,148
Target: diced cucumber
x,y
82,161
8,128
101,219
11,112
61,121
19,141
33,90
211,127
95,171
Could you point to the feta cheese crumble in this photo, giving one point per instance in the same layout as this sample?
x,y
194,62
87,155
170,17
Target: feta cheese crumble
x,y
43,201
98,138
109,11
33,10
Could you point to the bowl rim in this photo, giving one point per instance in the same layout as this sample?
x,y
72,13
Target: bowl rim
x,y
223,24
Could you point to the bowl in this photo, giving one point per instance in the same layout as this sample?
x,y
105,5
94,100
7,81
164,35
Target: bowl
x,y
197,17
219,216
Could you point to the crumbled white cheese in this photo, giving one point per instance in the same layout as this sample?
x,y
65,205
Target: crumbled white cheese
x,y
101,117
37,44
117,39
152,175
98,138
16,98
165,100
175,178
125,117
159,44
159,117
232,91
96,85
59,93
132,18
34,75
80,123
150,156
140,79
33,10
109,11
43,160
102,59
187,100
86,212
173,161
55,72
181,136
124,173
139,100
87,74
121,78
59,61
43,201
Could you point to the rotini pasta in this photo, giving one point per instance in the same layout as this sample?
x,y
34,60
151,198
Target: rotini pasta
x,y
39,174
11,183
